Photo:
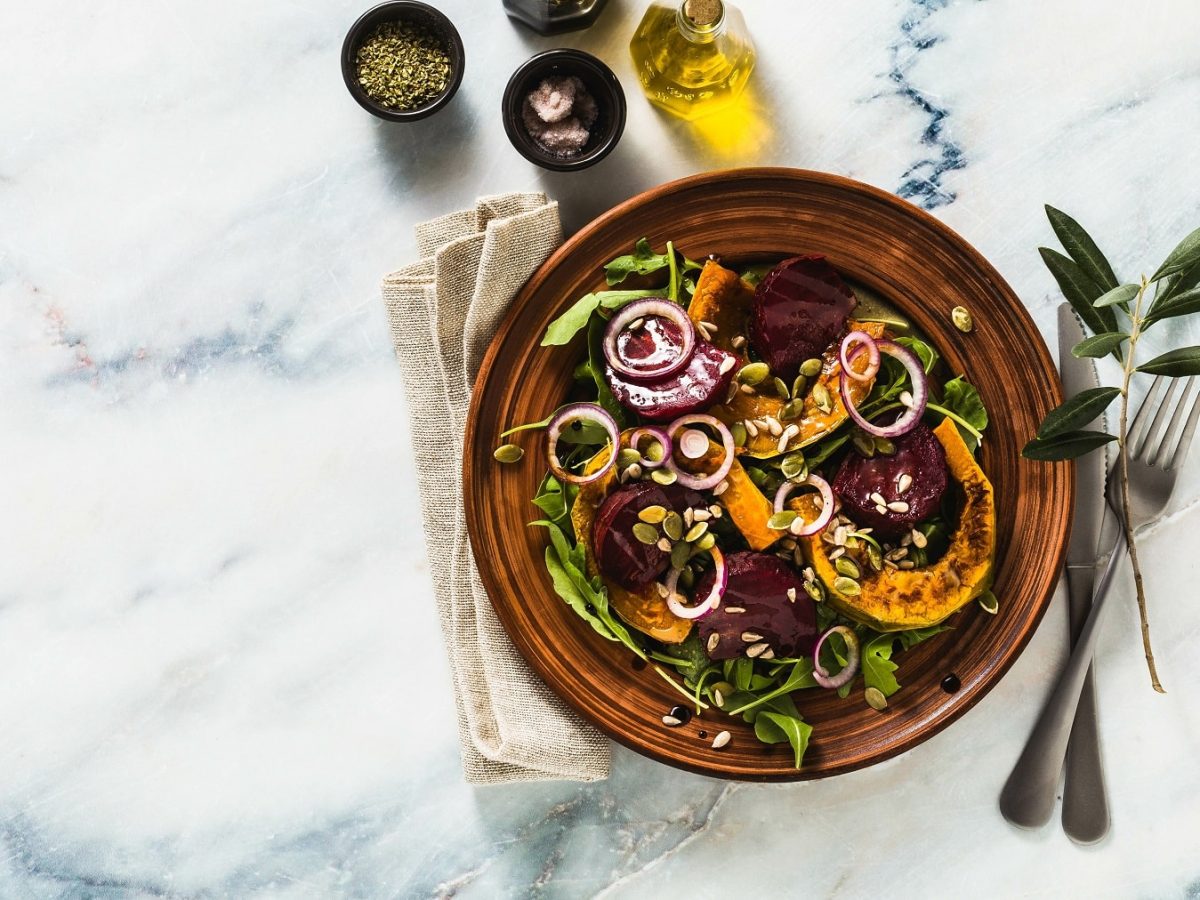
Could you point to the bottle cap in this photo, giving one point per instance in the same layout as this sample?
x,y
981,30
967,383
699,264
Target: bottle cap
x,y
703,12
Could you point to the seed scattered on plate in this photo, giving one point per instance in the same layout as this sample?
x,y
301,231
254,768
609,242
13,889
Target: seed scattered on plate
x,y
875,699
962,319
671,721
508,453
721,740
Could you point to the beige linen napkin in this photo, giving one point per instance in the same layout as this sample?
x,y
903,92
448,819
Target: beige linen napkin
x,y
443,312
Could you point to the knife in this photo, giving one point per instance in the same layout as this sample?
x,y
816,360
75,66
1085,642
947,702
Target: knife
x,y
1085,816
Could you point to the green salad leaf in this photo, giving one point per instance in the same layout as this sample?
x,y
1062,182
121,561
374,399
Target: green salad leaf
x,y
642,261
961,403
576,318
928,356
775,728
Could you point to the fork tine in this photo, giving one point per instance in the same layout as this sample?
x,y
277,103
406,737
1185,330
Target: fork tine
x,y
1189,432
1166,447
1149,444
1137,427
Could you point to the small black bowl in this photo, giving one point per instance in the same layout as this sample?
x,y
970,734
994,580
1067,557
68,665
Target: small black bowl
x,y
600,82
402,11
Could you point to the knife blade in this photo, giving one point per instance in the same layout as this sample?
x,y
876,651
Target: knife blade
x,y
1085,815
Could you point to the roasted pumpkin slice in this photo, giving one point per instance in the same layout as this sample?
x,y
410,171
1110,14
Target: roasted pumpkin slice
x,y
644,609
895,600
723,299
749,509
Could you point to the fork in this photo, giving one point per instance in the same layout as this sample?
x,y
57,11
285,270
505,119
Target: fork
x,y
1028,796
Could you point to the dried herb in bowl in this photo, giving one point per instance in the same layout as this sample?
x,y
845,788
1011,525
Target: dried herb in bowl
x,y
403,65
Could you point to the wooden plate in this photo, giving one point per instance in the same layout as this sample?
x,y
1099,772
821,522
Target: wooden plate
x,y
922,268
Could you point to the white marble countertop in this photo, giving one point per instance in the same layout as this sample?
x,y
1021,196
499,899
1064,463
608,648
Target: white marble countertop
x,y
222,673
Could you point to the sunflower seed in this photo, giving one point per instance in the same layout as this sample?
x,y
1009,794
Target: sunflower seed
x,y
721,740
989,603
720,488
906,399
847,586
716,511
919,540
653,514
634,471
709,326
753,373
768,654
713,640
898,506
671,721
863,443
738,342
906,564
726,364
751,428
782,520
749,637
732,392
739,433
508,453
746,389
735,610
962,319
717,697
687,516
882,510
664,545
662,590
787,544
809,574
837,553
636,324
798,386
848,567
672,525
791,595
781,389
754,651
696,532
773,426
877,499
663,476
822,397
811,368
875,699
904,483
797,526
839,535
788,433
702,331
647,534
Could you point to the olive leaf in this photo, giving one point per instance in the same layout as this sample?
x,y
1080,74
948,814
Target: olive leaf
x,y
1118,295
1184,255
1081,248
1099,345
1179,305
1184,361
1066,446
1079,290
1077,411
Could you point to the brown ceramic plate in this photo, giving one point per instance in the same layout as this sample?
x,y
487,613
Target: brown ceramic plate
x,y
881,243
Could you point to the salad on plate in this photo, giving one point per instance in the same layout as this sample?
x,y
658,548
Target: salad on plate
x,y
767,484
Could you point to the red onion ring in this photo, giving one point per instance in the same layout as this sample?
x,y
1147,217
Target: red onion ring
x,y
862,339
711,602
703,482
659,435
920,391
821,675
827,503
582,412
641,309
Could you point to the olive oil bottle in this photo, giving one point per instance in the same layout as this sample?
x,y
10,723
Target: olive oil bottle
x,y
694,57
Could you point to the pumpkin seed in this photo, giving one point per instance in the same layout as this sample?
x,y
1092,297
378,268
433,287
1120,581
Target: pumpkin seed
x,y
848,567
627,457
989,603
793,409
962,319
863,443
655,452
508,453
647,534
753,373
781,389
706,543
653,514
875,557
792,465
815,590
679,555
884,446
782,521
663,476
875,699
847,586
738,430
811,368
696,532
799,385
821,397
672,525
724,687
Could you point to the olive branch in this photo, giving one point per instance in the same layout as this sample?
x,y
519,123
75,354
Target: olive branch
x,y
1117,315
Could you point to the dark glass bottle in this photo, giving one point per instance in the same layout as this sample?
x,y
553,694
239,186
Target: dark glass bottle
x,y
555,16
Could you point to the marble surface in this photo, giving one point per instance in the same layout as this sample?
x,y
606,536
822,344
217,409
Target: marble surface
x,y
222,674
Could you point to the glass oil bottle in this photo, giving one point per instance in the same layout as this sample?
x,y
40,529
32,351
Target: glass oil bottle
x,y
694,57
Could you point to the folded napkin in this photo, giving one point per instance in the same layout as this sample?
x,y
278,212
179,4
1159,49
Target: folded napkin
x,y
444,310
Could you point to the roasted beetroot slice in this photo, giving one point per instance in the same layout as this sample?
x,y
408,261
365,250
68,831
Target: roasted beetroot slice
x,y
800,308
920,456
621,556
696,387
758,584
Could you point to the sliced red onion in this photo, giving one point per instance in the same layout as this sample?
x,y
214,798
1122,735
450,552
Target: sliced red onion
x,y
920,392
850,342
635,441
641,309
693,443
580,412
827,504
702,482
711,602
821,675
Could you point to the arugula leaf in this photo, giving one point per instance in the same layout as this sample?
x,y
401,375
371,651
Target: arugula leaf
x,y
929,357
817,453
752,275
643,261
775,728
696,661
800,677
576,318
604,394
912,637
877,667
1066,446
961,403
550,500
